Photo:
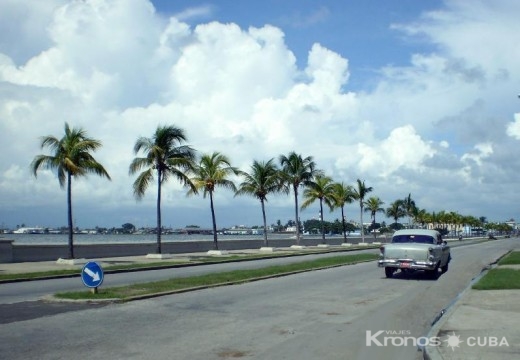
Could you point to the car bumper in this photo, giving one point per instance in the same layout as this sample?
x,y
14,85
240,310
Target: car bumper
x,y
407,264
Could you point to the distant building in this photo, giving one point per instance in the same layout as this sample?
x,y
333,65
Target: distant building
x,y
291,229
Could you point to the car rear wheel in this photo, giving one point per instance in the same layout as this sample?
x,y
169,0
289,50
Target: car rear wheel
x,y
389,272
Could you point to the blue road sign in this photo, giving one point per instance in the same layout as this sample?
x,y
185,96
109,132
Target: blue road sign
x,y
92,275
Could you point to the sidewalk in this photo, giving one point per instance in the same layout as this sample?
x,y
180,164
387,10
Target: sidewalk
x,y
482,324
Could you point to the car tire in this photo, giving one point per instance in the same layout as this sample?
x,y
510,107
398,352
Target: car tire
x,y
444,268
433,274
389,272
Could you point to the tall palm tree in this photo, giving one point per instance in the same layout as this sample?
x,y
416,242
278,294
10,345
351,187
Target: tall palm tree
x,y
164,155
297,171
409,207
322,188
263,179
343,194
71,156
373,205
359,194
396,211
213,170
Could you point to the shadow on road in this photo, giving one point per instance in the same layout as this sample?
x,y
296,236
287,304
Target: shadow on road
x,y
414,275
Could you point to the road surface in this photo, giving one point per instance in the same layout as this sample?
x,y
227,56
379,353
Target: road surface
x,y
327,314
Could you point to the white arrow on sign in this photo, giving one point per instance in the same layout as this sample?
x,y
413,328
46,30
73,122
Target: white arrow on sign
x,y
93,275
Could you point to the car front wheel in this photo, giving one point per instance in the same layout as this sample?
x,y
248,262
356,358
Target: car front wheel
x,y
433,274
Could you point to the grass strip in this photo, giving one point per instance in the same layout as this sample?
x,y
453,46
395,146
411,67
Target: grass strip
x,y
230,277
499,279
513,258
57,273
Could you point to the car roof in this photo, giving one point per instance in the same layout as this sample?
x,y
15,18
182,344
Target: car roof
x,y
433,233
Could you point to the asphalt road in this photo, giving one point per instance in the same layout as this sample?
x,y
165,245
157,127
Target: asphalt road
x,y
11,293
315,315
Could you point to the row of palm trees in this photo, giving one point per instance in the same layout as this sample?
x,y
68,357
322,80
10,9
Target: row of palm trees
x,y
442,220
165,155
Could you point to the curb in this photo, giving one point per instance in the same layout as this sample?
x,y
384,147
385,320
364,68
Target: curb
x,y
432,352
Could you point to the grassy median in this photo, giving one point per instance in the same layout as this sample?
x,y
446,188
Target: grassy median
x,y
157,265
502,278
217,279
513,258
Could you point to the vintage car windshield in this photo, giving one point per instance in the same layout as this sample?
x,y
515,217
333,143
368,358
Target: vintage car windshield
x,y
424,239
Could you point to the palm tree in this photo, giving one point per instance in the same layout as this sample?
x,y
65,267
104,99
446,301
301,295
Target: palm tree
x,y
409,207
263,179
213,170
321,188
343,194
298,171
164,155
396,211
71,157
373,205
421,217
359,194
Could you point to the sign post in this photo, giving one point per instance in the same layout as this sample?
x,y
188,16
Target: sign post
x,y
92,276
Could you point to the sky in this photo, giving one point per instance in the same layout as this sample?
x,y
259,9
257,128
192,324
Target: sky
x,y
412,97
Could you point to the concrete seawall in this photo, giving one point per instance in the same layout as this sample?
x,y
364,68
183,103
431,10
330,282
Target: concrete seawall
x,y
12,252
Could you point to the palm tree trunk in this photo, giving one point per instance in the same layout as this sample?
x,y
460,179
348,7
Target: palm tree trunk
x,y
374,226
322,224
265,221
159,226
344,225
295,188
69,215
361,218
215,242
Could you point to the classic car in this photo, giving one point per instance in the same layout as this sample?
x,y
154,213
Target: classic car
x,y
415,249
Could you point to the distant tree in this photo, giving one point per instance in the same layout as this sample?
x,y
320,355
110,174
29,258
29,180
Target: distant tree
x,y
395,211
297,171
359,194
279,225
263,179
373,205
422,217
165,156
409,207
128,228
322,189
351,227
212,171
71,157
343,194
